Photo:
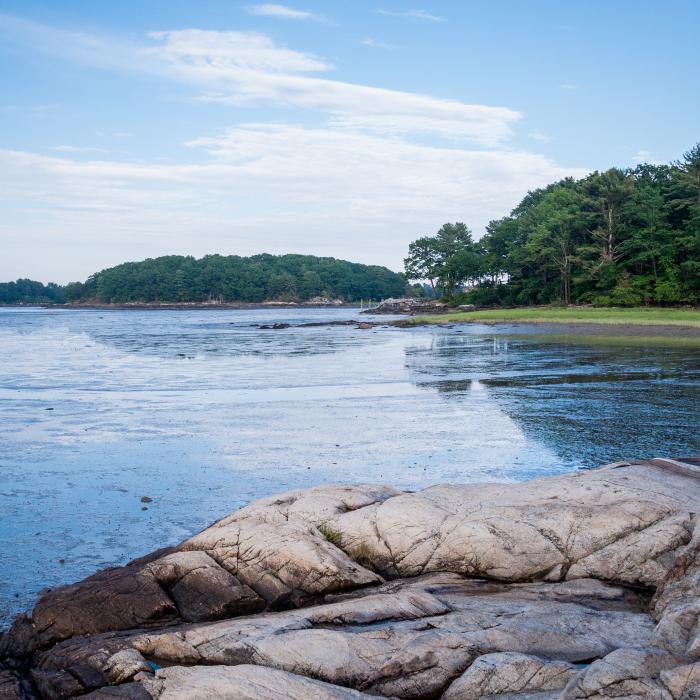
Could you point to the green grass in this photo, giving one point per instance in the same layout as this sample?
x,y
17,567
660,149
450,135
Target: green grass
x,y
331,535
584,314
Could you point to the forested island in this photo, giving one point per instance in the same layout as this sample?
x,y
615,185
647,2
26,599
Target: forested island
x,y
616,238
218,279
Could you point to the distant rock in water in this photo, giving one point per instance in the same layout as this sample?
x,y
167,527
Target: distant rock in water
x,y
323,301
579,586
408,305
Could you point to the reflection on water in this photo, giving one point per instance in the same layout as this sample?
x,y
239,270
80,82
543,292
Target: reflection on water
x,y
590,400
203,411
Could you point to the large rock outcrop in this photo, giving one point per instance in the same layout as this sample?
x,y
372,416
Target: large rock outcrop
x,y
581,586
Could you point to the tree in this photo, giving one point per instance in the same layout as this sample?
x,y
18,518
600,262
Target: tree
x,y
448,259
554,237
422,261
616,237
606,194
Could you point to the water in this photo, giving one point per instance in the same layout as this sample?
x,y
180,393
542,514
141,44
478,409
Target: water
x,y
202,412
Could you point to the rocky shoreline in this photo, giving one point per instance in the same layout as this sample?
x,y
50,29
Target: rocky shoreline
x,y
580,586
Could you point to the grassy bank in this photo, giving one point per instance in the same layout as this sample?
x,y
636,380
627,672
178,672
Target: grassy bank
x,y
689,318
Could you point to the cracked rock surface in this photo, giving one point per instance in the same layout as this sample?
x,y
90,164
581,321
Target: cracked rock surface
x,y
580,586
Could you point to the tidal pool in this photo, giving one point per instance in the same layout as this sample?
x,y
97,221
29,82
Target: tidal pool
x,y
202,411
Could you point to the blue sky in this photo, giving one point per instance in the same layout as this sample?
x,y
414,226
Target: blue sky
x,y
133,129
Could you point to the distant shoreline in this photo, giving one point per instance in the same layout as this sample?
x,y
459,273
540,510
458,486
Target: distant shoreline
x,y
184,306
619,322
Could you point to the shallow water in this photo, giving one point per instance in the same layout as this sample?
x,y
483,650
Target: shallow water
x,y
202,411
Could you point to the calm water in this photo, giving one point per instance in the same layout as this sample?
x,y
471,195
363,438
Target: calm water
x,y
202,412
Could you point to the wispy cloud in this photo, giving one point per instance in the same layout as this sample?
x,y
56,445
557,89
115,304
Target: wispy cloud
x,y
209,56
283,12
376,44
537,135
567,86
285,184
644,156
252,69
422,15
66,148
381,166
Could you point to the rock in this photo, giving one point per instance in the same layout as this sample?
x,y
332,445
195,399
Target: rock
x,y
323,301
624,673
113,599
479,590
509,672
590,524
133,596
201,589
11,686
128,691
146,499
682,682
409,639
56,684
407,305
242,682
676,604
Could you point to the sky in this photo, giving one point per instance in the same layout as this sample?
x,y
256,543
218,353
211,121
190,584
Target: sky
x,y
139,128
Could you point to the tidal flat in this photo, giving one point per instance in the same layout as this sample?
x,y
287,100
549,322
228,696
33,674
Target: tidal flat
x,y
202,411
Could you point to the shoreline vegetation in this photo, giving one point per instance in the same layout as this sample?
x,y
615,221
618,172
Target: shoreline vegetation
x,y
579,316
622,237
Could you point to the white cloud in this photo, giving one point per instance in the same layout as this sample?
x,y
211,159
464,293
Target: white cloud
x,y
413,14
376,44
567,86
251,68
361,183
200,55
66,148
643,156
283,12
276,187
537,135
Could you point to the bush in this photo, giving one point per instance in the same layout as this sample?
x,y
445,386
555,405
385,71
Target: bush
x,y
625,296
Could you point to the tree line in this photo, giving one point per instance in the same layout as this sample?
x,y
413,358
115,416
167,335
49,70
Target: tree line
x,y
25,291
623,237
176,278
